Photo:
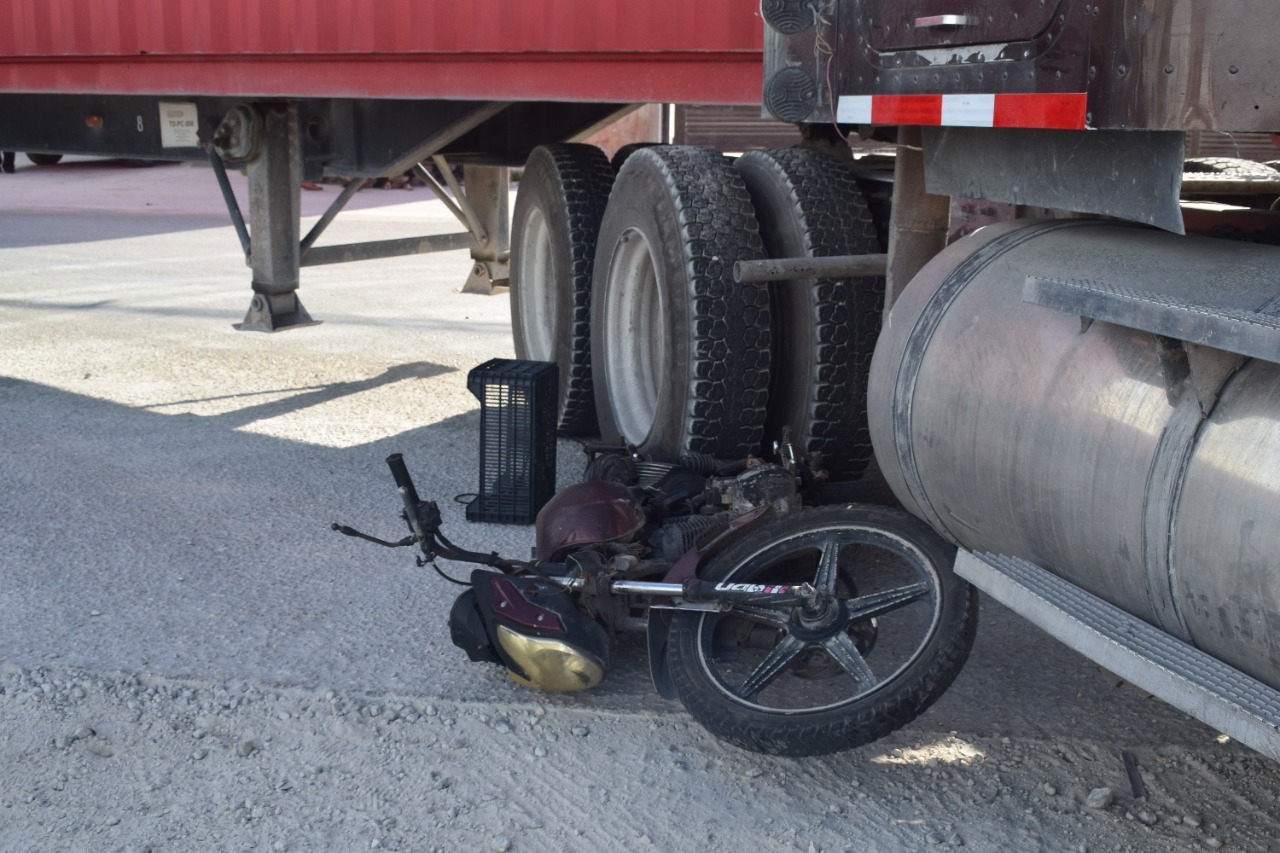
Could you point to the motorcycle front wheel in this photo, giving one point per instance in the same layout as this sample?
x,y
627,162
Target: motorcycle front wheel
x,y
892,631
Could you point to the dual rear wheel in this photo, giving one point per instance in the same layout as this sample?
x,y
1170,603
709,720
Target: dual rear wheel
x,y
657,345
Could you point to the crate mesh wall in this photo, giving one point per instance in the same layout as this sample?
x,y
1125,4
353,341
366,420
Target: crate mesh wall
x,y
517,439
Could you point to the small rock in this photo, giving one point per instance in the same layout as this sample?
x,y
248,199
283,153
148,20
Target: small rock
x,y
245,748
579,731
500,844
1191,820
101,749
1147,818
935,838
1100,798
1050,789
199,755
754,773
540,751
1213,843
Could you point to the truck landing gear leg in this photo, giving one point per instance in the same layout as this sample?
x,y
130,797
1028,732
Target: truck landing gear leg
x,y
487,192
274,210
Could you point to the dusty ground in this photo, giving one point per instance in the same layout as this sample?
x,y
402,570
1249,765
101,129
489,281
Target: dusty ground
x,y
190,660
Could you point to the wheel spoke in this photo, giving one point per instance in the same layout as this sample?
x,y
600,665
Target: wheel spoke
x,y
771,667
774,617
828,564
878,603
842,648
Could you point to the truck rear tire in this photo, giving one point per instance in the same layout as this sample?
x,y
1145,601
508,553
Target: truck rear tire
x,y
824,330
559,205
680,353
1227,167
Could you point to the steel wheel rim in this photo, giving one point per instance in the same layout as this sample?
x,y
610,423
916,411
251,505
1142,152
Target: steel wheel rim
x,y
923,594
537,289
636,351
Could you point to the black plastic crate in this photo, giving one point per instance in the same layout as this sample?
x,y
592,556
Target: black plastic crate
x,y
517,438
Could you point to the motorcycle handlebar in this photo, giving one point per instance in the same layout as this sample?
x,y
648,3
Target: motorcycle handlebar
x,y
401,475
404,483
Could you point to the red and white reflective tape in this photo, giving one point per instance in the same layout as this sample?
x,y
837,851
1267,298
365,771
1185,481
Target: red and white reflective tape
x,y
1058,111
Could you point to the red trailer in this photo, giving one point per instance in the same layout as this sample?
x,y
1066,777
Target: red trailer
x,y
297,90
536,50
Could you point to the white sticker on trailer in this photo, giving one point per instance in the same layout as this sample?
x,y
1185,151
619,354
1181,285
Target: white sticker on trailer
x,y
854,109
968,110
179,125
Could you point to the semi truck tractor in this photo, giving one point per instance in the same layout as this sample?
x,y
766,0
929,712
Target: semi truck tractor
x,y
1082,396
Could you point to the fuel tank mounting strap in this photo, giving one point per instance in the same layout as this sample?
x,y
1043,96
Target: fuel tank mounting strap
x,y
917,344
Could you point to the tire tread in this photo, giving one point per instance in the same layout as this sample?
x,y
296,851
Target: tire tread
x,y
843,314
580,178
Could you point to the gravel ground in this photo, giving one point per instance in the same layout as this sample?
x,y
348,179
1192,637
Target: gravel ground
x,y
191,660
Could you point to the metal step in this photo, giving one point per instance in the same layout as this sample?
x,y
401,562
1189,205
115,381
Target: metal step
x,y
1216,694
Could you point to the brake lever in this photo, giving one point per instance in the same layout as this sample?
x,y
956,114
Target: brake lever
x,y
351,531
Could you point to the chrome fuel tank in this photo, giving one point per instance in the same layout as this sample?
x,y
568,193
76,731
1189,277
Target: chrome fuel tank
x,y
1092,449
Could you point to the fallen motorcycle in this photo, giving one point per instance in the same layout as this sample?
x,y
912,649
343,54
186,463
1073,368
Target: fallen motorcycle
x,y
782,629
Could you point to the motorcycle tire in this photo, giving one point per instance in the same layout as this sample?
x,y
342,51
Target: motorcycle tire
x,y
785,682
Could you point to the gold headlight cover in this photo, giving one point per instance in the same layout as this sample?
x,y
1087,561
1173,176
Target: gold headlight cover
x,y
550,664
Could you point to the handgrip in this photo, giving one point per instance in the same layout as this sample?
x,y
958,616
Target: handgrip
x,y
403,481
945,21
